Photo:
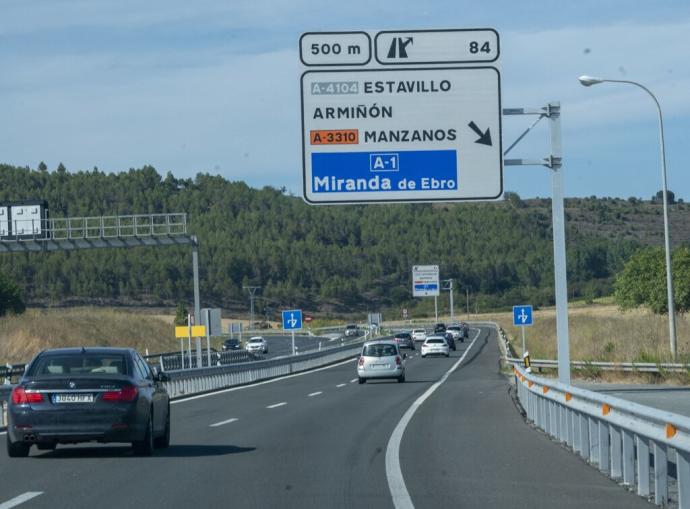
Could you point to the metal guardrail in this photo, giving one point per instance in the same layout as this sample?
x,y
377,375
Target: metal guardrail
x,y
194,381
613,434
643,367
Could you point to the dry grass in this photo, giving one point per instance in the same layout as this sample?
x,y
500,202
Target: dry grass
x,y
601,333
22,336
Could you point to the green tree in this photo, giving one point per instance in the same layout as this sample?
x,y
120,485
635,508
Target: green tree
x,y
10,297
181,314
642,282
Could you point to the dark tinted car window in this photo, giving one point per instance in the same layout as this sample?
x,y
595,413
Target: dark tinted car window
x,y
143,367
78,364
379,350
403,335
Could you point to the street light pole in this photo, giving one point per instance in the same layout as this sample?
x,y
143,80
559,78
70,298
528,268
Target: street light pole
x,y
589,81
450,290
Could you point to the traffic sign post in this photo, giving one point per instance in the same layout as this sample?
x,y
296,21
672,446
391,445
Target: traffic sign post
x,y
394,128
292,321
522,317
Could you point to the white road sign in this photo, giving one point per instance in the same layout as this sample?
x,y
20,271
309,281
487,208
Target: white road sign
x,y
379,133
425,281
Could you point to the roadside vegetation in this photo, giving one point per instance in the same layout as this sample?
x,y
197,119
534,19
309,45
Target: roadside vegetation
x,y
22,336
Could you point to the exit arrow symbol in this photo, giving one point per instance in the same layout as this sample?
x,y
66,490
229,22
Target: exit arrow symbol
x,y
293,320
484,138
523,316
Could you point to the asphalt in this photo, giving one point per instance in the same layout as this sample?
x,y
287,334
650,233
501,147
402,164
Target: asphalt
x,y
664,397
466,446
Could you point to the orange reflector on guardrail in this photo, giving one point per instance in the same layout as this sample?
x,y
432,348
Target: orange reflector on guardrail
x,y
568,396
530,383
545,389
671,431
605,409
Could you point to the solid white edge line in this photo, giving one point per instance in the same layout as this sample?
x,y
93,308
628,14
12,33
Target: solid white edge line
x,y
232,389
20,499
314,394
396,482
341,385
221,423
276,405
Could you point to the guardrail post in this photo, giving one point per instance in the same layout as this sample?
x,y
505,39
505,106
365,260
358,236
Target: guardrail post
x,y
604,465
572,441
683,476
593,440
585,446
642,466
563,423
628,458
616,453
660,475
555,419
577,441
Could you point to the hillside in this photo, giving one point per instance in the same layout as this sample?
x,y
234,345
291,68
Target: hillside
x,y
321,258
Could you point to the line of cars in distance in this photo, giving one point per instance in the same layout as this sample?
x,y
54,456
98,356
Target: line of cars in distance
x,y
383,359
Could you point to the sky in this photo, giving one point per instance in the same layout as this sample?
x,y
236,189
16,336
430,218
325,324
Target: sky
x,y
213,86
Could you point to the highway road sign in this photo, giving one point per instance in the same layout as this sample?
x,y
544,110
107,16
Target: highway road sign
x,y
183,331
381,133
425,281
522,315
292,319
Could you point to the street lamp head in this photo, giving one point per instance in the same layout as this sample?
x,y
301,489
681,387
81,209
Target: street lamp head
x,y
588,81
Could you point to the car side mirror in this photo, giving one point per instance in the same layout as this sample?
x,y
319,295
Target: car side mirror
x,y
162,376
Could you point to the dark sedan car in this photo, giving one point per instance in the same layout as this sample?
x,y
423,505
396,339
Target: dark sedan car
x,y
72,395
231,344
404,340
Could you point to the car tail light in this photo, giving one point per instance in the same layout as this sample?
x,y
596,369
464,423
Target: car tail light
x,y
127,393
398,361
361,362
21,397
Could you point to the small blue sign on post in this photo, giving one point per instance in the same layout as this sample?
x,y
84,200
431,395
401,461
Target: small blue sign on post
x,y
522,315
292,319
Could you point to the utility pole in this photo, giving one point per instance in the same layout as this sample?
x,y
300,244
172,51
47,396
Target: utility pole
x,y
467,294
450,290
252,292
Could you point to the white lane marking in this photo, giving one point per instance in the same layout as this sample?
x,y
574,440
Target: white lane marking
x,y
277,405
396,482
20,499
314,394
3,432
223,422
353,380
341,385
232,389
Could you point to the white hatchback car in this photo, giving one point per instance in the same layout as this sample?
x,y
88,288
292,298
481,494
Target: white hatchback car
x,y
435,345
419,334
257,344
381,359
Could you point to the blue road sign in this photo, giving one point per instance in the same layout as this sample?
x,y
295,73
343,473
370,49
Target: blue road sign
x,y
292,319
522,315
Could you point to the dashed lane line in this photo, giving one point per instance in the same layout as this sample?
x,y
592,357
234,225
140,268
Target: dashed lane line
x,y
341,385
353,380
276,405
221,423
314,394
24,497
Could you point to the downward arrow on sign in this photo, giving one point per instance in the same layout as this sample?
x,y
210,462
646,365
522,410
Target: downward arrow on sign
x,y
484,138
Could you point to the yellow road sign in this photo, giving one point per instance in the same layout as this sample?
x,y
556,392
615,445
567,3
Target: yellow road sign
x,y
182,331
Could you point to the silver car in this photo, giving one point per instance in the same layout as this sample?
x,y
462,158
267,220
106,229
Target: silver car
x,y
257,344
435,345
381,359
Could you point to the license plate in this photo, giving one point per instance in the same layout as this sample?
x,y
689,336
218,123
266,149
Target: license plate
x,y
379,366
73,398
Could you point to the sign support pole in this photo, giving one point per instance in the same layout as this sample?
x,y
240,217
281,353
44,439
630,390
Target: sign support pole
x,y
293,342
451,302
208,337
189,339
523,339
554,162
436,308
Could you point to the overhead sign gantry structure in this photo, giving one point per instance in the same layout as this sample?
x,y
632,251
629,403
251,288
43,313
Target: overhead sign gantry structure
x,y
26,227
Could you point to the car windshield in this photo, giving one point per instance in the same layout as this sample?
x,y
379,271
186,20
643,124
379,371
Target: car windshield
x,y
379,351
434,341
78,364
256,340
